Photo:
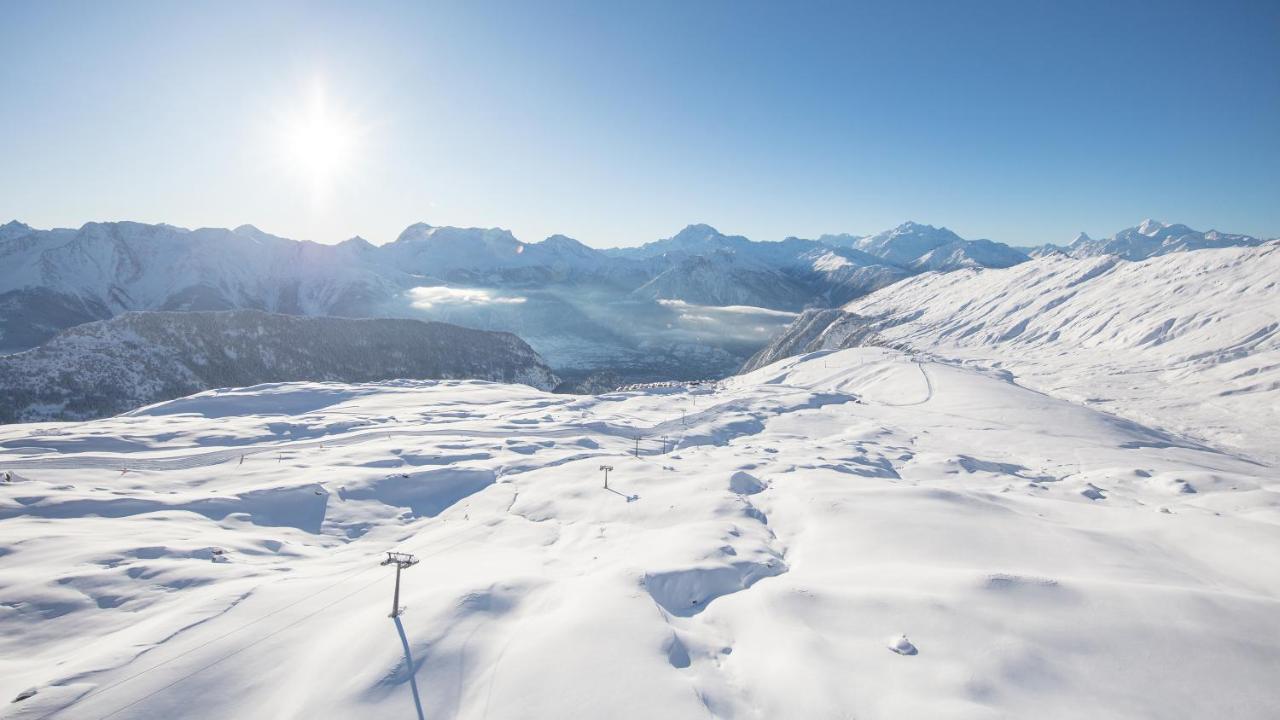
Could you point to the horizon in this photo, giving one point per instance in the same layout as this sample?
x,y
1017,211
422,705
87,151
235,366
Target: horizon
x,y
1021,124
816,238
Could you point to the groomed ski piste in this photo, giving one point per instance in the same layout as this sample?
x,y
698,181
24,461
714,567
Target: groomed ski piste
x,y
851,534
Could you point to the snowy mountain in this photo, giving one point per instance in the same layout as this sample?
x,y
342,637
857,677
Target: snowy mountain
x,y
1046,249
850,534
842,274
51,280
696,239
495,256
138,358
1186,340
907,243
702,264
968,254
1152,237
922,248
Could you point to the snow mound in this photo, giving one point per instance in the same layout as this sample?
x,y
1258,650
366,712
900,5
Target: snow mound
x,y
902,645
745,483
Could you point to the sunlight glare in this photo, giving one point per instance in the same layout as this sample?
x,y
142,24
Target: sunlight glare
x,y
316,142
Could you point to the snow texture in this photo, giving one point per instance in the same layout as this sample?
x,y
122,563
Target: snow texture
x,y
1188,342
1018,554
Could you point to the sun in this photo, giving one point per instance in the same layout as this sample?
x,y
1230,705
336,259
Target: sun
x,y
316,141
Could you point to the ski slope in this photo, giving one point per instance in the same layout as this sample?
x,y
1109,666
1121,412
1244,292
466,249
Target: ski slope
x,y
848,534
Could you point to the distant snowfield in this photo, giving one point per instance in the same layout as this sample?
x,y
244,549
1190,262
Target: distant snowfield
x,y
847,534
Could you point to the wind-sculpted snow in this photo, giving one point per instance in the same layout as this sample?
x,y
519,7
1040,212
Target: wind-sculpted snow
x,y
855,533
1188,341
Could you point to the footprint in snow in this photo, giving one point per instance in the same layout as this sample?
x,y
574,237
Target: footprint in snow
x,y
902,645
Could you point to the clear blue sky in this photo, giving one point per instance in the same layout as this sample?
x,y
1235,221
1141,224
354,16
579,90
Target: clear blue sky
x,y
618,123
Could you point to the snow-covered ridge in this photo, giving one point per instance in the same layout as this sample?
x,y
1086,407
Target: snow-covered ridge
x,y
1151,238
1189,341
138,358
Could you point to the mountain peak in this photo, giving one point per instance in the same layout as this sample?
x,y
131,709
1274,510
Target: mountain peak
x,y
1151,227
356,242
13,229
696,231
564,242
415,231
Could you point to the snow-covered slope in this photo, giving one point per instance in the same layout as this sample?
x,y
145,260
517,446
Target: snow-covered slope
x,y
969,254
138,358
1188,341
849,534
846,274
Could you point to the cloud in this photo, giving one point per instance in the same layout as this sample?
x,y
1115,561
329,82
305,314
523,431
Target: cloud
x,y
732,309
751,310
425,298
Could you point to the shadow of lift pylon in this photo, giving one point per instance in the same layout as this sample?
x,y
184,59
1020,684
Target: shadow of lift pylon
x,y
401,561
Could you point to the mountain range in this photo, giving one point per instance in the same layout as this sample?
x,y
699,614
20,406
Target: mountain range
x,y
693,305
1150,238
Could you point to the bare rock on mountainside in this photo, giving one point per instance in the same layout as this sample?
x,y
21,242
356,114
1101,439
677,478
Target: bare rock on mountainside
x,y
138,358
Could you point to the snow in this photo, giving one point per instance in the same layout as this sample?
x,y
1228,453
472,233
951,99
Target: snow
x,y
925,247
856,533
1187,341
1151,238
